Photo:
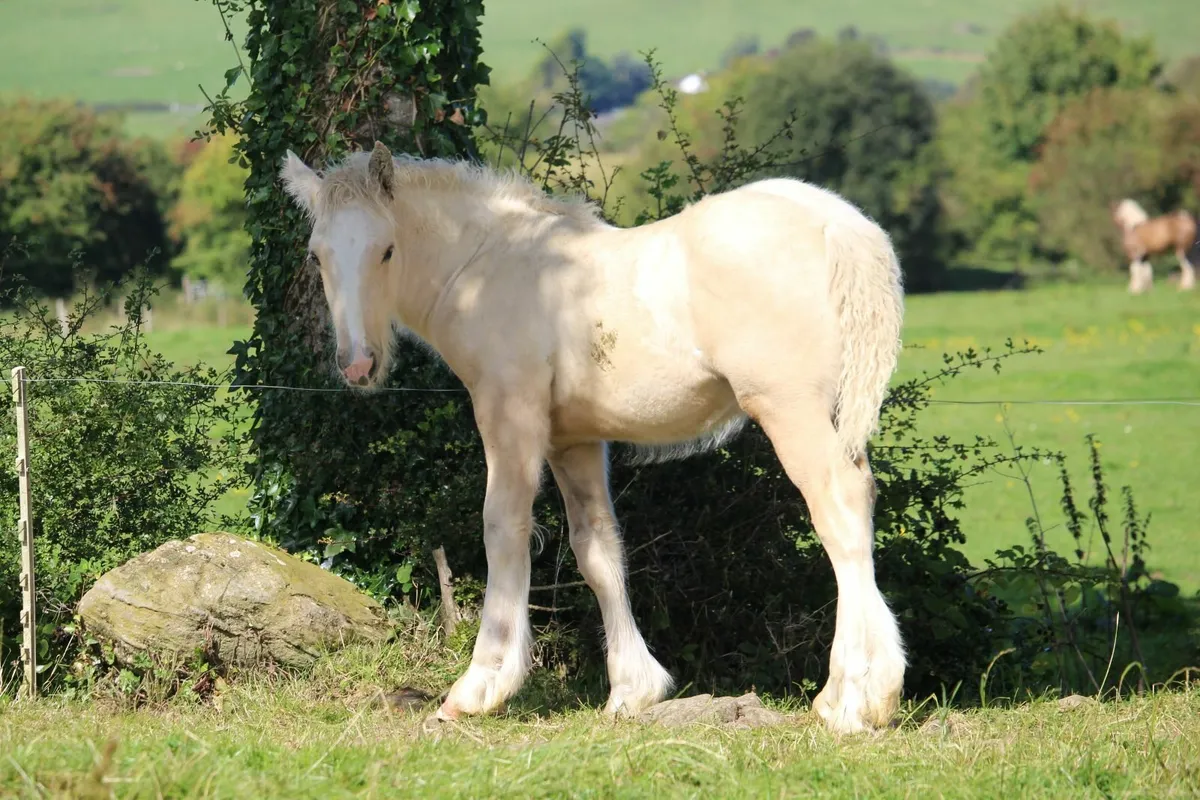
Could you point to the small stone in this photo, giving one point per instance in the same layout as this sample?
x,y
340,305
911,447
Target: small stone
x,y
1074,701
746,711
406,699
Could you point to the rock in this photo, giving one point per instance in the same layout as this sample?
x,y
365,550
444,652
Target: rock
x,y
1074,701
954,724
407,698
257,603
746,711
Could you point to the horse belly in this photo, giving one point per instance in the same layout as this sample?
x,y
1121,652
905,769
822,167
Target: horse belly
x,y
660,403
637,375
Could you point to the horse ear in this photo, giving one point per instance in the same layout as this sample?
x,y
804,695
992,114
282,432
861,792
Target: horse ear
x,y
301,182
381,170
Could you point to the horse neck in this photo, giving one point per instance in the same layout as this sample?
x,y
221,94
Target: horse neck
x,y
444,236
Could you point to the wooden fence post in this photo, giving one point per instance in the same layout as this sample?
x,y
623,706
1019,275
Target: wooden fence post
x,y
25,530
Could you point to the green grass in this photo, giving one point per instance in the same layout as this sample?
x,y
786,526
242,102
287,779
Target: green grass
x,y
1100,343
325,736
164,50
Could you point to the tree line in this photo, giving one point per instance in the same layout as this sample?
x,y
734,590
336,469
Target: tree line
x,y
1015,171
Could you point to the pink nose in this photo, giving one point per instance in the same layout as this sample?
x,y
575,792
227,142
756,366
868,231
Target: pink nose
x,y
359,369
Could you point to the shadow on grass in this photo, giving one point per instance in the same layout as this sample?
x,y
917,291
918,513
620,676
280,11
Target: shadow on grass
x,y
981,279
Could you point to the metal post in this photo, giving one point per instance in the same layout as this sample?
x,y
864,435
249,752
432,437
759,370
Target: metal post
x,y
25,531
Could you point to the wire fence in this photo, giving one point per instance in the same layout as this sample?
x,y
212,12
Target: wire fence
x,y
22,400
1129,401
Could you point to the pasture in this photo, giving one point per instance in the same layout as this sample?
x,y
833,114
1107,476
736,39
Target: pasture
x,y
153,51
327,735
1099,343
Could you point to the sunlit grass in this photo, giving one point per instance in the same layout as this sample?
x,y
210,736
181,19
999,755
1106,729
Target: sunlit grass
x,y
327,735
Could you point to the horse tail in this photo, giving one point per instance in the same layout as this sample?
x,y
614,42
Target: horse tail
x,y
867,290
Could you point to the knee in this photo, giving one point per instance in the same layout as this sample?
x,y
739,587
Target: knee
x,y
597,548
868,478
506,530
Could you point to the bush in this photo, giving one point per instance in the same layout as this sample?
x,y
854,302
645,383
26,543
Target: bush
x,y
70,183
1108,145
117,469
210,215
995,130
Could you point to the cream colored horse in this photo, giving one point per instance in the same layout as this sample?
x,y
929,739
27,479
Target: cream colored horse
x,y
1142,236
777,300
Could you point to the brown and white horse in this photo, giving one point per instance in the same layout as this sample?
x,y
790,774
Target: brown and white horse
x,y
1142,236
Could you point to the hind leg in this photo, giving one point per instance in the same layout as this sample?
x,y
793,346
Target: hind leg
x,y
637,681
1187,277
867,662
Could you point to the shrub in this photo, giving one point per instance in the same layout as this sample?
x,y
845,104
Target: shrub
x,y
995,130
117,468
210,215
69,182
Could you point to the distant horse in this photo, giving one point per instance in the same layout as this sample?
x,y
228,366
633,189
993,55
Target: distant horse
x,y
777,301
1142,236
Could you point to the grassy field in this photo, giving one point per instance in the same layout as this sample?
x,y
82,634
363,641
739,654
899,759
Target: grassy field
x,y
164,50
326,735
1100,344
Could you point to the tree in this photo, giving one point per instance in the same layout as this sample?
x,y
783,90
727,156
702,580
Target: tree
x,y
1045,60
1113,143
862,128
603,86
210,215
70,183
994,131
357,482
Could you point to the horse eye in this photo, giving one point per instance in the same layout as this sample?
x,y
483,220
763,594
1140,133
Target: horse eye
x,y
313,257
387,253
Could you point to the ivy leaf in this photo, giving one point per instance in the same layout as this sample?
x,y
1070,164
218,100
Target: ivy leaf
x,y
404,576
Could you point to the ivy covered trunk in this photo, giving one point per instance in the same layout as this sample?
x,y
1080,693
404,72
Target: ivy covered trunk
x,y
328,77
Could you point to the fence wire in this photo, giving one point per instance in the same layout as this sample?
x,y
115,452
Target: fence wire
x,y
1131,401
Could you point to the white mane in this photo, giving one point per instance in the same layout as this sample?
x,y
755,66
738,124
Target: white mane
x,y
1129,214
347,182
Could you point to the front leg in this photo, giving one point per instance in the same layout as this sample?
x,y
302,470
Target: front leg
x,y
514,432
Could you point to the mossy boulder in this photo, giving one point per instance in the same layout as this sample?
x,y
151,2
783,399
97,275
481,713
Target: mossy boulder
x,y
250,602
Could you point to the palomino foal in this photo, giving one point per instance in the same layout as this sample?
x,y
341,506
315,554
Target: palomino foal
x,y
778,301
1142,236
